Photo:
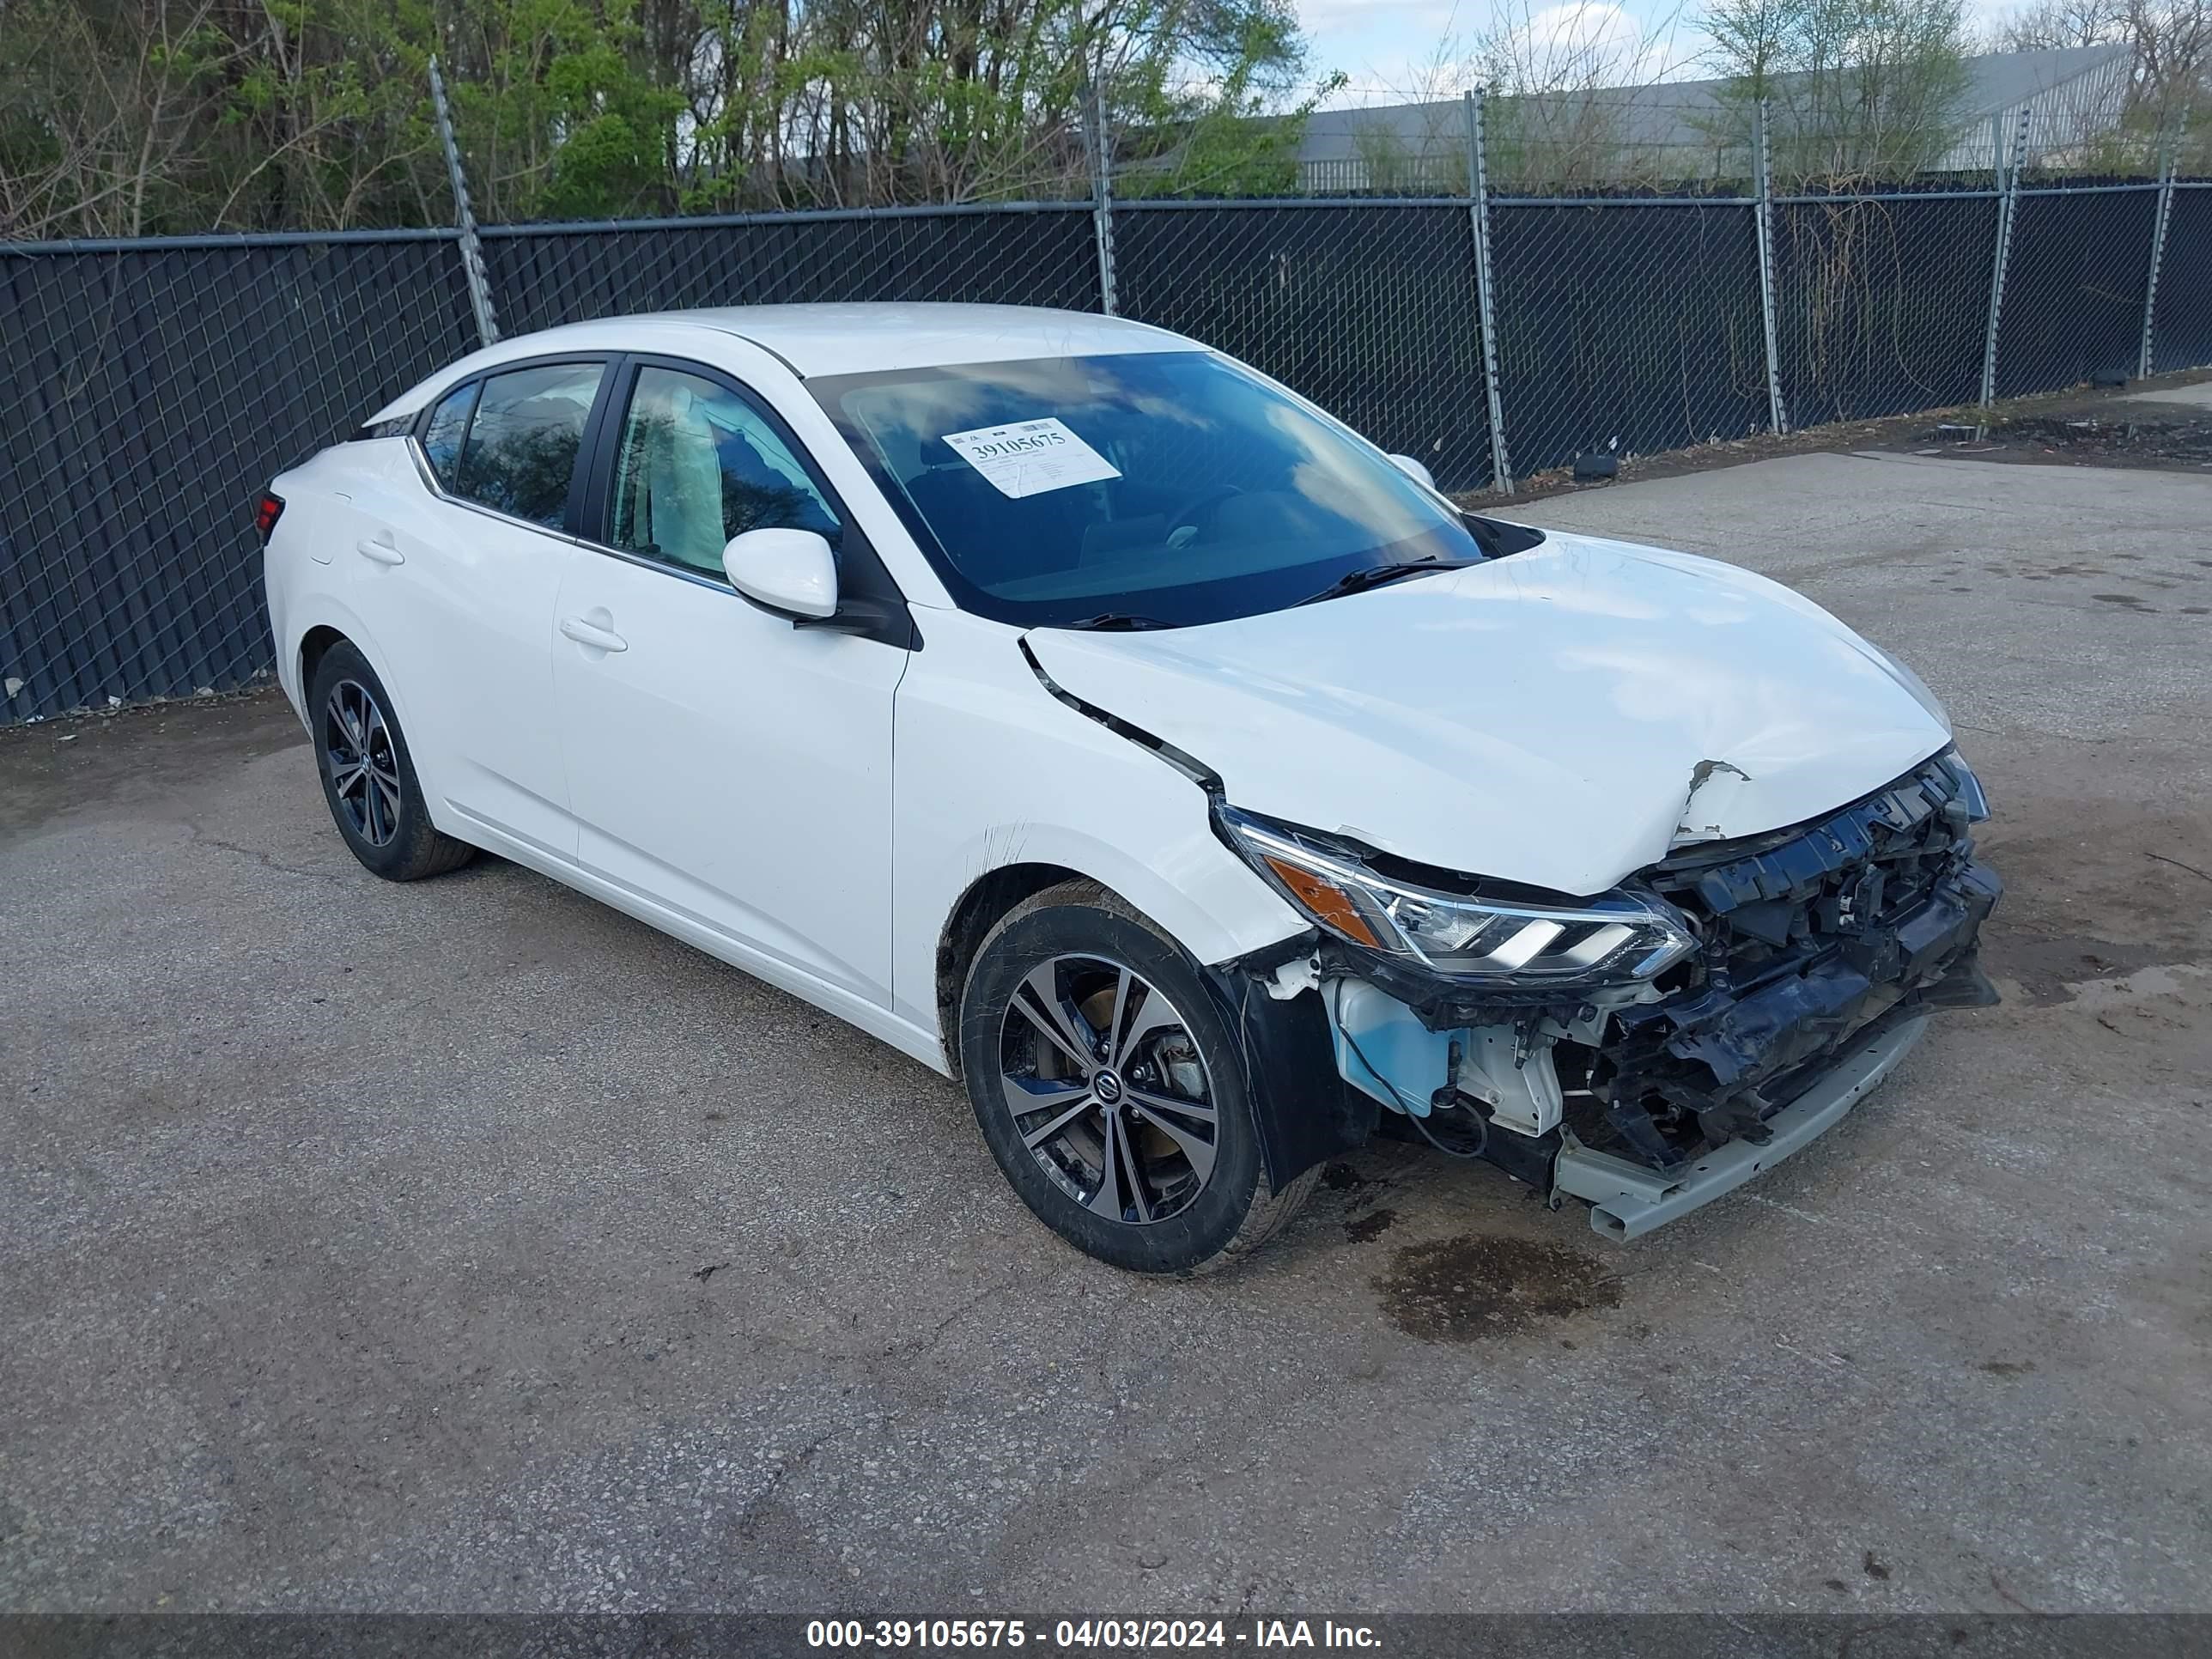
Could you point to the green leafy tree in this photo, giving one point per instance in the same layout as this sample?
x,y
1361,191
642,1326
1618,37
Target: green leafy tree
x,y
132,117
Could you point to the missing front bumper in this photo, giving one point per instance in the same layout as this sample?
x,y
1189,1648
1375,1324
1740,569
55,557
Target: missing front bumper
x,y
1825,948
1628,1200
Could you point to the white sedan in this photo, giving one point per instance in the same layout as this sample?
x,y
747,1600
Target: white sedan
x,y
1102,724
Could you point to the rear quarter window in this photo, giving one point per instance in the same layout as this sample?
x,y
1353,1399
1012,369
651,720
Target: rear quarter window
x,y
443,432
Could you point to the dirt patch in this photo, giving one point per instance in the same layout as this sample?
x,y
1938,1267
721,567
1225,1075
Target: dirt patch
x,y
2083,440
1473,1286
137,755
2047,966
2096,890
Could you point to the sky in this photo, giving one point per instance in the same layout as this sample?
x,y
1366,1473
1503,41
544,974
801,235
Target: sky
x,y
1394,50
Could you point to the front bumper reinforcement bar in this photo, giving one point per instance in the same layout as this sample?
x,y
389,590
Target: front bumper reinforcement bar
x,y
1629,1200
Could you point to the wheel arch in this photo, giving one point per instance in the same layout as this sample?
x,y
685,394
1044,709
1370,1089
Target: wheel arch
x,y
314,645
1184,882
329,622
1303,1111
978,909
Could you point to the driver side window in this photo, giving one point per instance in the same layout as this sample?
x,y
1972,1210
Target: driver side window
x,y
697,464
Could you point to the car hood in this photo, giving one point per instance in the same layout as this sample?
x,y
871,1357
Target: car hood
x,y
1560,718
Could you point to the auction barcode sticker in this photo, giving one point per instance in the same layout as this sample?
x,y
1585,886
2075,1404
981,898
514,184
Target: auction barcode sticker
x,y
1028,458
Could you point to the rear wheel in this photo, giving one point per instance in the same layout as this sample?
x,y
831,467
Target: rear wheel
x,y
368,780
1109,1090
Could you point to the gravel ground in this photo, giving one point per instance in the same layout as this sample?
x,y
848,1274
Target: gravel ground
x,y
467,1245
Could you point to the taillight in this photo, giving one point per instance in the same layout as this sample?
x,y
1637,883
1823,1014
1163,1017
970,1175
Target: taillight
x,y
271,508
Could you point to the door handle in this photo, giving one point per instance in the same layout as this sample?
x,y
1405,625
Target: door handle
x,y
379,548
590,634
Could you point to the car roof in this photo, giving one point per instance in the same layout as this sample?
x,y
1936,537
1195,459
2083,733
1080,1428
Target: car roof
x,y
819,340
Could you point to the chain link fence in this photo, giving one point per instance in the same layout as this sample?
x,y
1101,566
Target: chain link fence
x,y
152,388
2182,321
1626,327
1882,307
1041,255
1369,308
150,392
2074,286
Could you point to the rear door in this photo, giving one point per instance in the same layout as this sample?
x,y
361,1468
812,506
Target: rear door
x,y
731,767
458,581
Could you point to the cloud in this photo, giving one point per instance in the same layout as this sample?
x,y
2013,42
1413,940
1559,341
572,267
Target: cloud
x,y
1393,16
1584,43
1391,52
1570,40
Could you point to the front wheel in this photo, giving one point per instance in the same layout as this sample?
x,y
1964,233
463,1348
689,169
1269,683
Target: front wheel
x,y
1109,1091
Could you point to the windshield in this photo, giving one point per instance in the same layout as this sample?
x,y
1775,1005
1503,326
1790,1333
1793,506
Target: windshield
x,y
1166,487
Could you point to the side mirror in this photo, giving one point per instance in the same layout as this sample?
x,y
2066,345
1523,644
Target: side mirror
x,y
790,572
1413,469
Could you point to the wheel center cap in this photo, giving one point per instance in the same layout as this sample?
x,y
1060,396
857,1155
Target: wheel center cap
x,y
1106,1084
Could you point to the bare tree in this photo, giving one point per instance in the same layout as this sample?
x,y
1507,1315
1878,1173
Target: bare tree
x,y
2169,42
98,127
1856,89
1584,101
2048,24
2173,43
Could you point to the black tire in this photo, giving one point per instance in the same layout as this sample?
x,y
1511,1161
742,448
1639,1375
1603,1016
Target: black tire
x,y
378,809
1080,934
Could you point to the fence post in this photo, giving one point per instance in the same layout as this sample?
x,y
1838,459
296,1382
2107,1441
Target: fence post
x,y
472,265
2158,253
1102,198
2007,200
1763,162
1477,213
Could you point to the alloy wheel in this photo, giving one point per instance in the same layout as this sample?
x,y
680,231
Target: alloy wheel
x,y
362,765
1108,1089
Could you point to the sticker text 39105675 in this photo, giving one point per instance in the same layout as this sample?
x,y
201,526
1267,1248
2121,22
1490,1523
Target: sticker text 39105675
x,y
1027,457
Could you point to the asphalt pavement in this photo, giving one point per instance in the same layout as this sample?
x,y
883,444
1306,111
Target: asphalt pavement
x,y
467,1245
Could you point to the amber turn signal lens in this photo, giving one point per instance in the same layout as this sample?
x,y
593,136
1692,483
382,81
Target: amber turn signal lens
x,y
1328,903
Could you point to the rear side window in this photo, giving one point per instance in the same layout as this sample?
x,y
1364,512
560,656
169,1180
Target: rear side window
x,y
518,454
448,423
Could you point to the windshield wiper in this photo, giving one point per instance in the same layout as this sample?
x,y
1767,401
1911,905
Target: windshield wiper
x,y
1115,622
1373,575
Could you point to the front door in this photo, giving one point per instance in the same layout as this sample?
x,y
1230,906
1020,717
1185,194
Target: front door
x,y
721,763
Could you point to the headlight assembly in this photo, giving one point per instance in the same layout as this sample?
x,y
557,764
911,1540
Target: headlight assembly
x,y
1968,785
1616,939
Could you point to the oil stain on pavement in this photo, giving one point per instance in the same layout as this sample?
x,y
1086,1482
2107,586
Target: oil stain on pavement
x,y
1473,1286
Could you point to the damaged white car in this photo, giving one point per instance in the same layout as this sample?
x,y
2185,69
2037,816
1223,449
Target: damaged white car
x,y
1102,724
